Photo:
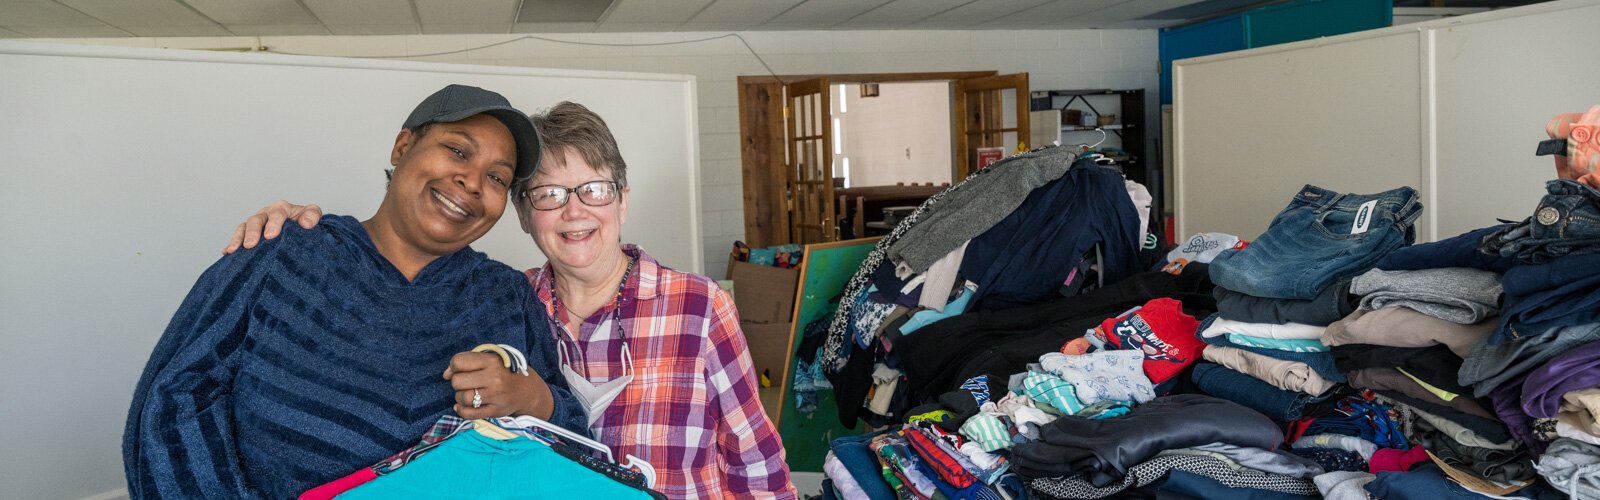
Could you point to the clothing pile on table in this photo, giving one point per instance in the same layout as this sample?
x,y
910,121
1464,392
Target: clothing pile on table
x,y
1327,357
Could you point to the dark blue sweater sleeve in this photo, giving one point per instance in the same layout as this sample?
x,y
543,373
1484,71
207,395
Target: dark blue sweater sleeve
x,y
542,359
179,441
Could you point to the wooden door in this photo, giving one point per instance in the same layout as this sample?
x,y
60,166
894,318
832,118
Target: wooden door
x,y
980,117
808,120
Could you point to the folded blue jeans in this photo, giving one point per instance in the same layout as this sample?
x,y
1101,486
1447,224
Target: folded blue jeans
x,y
1322,237
1567,221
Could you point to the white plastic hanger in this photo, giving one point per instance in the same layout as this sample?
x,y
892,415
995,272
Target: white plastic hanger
x,y
529,423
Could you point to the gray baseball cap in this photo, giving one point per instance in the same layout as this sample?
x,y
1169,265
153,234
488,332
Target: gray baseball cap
x,y
459,102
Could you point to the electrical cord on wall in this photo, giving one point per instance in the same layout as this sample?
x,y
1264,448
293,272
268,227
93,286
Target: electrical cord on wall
x,y
570,42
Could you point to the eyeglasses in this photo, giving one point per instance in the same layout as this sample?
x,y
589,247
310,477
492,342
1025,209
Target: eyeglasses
x,y
554,196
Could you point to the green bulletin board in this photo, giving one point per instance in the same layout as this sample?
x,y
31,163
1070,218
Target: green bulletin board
x,y
823,275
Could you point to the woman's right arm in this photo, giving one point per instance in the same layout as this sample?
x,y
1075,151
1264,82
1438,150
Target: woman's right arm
x,y
267,223
179,440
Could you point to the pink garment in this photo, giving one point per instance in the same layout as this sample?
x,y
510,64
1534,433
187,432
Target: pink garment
x,y
341,485
1396,460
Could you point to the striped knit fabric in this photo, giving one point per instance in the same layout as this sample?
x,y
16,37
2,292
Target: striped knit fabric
x,y
311,356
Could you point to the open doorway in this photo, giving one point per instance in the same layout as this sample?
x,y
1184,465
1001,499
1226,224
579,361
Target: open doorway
x,y
893,133
815,172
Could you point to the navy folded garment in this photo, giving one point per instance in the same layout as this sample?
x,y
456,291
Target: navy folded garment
x,y
1198,486
1279,405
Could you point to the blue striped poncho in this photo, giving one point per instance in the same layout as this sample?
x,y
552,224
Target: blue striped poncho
x,y
310,357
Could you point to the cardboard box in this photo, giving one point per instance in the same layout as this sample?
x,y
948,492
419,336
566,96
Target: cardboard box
x,y
769,354
763,294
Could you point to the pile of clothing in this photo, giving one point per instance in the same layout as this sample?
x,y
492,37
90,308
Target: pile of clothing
x,y
1328,357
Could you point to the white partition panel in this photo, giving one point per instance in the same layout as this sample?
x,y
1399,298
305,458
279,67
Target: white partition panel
x,y
1452,107
126,169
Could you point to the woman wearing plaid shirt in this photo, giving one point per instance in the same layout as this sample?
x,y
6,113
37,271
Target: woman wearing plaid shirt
x,y
656,355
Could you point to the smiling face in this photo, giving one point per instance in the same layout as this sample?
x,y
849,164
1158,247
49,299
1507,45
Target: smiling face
x,y
577,238
450,183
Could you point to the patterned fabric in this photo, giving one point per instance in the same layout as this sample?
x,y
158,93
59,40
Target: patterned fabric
x,y
979,387
692,410
869,316
988,431
311,356
1333,459
1052,390
1103,375
1151,470
943,463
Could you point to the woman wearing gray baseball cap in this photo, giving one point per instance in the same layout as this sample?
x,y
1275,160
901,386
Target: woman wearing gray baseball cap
x,y
331,348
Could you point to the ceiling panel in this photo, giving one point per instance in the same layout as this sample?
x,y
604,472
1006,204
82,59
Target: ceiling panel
x,y
1053,13
562,11
654,11
42,13
131,13
174,31
482,12
254,12
823,13
552,27
1133,9
611,27
466,29
5,33
974,13
277,29
737,11
901,13
375,29
101,31
362,12
719,26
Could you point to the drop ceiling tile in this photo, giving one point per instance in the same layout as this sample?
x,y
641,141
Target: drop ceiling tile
x,y
178,31
615,27
1055,14
654,11
131,13
254,12
101,31
902,12
1142,24
462,12
362,12
466,29
743,11
42,13
813,14
552,27
718,26
5,33
374,29
562,11
978,12
277,29
1133,9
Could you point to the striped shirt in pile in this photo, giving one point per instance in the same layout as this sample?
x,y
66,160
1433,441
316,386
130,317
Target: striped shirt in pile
x,y
292,364
692,409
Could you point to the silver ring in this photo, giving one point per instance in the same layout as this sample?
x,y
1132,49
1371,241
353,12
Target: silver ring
x,y
477,399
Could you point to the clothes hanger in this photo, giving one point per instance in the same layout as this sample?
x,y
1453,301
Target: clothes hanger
x,y
528,423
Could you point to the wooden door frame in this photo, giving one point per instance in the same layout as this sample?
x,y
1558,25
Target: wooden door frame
x,y
761,144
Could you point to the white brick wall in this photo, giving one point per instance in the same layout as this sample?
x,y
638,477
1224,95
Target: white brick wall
x,y
1054,59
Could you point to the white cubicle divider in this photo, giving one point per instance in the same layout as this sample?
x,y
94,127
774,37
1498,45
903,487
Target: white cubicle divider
x,y
126,169
1452,107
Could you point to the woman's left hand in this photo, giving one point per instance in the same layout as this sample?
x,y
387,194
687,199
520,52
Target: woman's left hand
x,y
483,377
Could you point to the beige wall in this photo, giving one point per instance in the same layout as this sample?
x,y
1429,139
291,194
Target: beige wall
x,y
1055,59
902,135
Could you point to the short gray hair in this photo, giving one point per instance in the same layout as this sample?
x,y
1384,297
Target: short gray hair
x,y
570,125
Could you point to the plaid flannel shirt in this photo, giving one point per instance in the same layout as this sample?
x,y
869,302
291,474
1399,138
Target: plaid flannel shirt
x,y
692,409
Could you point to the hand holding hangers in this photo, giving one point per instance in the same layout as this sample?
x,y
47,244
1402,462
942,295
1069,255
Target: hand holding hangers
x,y
485,388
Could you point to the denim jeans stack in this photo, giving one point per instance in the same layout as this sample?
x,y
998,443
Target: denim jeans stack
x,y
1285,288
